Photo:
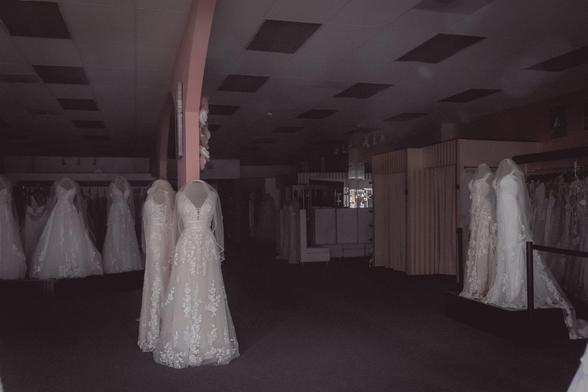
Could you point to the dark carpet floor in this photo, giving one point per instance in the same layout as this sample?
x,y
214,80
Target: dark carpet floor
x,y
341,327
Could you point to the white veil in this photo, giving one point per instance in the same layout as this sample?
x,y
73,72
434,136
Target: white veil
x,y
217,227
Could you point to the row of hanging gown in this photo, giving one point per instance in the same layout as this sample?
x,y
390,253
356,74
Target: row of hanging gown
x,y
12,257
496,260
185,318
560,219
57,238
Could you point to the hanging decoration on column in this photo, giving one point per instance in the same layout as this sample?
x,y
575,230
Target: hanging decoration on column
x,y
204,133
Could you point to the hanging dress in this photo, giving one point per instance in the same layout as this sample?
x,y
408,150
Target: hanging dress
x,y
158,233
12,257
121,248
65,249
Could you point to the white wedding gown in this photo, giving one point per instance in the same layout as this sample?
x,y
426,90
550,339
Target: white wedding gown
x,y
12,258
481,260
65,249
121,250
158,233
197,328
34,223
510,284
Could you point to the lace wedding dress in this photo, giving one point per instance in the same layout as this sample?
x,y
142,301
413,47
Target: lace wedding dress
x,y
65,249
121,249
12,258
510,288
196,326
158,233
481,261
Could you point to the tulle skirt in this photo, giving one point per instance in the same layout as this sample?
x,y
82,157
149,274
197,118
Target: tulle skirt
x,y
197,328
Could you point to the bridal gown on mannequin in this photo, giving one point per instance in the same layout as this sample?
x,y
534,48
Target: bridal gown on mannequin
x,y
65,249
509,289
121,249
196,326
481,261
158,232
12,258
34,223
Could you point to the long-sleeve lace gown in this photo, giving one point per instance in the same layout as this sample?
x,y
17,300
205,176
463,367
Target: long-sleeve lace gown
x,y
196,326
158,234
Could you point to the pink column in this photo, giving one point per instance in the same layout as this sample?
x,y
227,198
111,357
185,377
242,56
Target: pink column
x,y
190,71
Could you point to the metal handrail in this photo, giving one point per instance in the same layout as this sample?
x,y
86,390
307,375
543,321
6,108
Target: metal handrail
x,y
530,246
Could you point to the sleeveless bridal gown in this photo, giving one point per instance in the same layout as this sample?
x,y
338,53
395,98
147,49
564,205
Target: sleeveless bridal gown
x,y
510,288
197,328
158,232
481,261
65,249
34,223
121,249
580,380
12,258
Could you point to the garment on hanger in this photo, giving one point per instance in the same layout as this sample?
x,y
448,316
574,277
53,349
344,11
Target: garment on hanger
x,y
34,222
158,243
481,259
12,257
121,248
196,325
65,249
510,288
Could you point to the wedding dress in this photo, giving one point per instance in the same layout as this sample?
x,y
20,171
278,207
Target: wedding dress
x,y
580,381
65,249
481,262
158,233
510,288
34,223
121,249
196,325
12,258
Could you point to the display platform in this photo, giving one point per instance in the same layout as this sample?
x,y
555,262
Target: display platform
x,y
91,285
543,325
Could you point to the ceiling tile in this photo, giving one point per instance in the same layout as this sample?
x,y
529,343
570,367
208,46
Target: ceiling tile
x,y
407,116
363,90
165,5
106,54
563,62
222,110
282,36
439,48
44,51
90,124
77,104
305,10
317,113
288,129
243,83
373,12
161,28
470,95
19,78
103,22
34,19
465,7
61,75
